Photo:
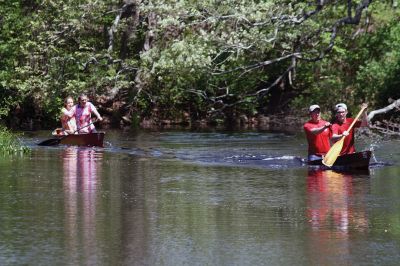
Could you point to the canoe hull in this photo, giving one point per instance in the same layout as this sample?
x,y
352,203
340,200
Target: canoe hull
x,y
89,139
357,160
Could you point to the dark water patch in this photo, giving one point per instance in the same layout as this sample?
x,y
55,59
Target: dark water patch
x,y
285,161
379,164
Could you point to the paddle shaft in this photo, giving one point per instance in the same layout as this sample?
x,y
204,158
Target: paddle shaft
x,y
355,119
84,126
78,130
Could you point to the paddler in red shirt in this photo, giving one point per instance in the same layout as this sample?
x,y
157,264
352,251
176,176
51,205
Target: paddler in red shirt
x,y
342,124
318,133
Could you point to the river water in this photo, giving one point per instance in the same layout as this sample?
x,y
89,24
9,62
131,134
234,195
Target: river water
x,y
197,198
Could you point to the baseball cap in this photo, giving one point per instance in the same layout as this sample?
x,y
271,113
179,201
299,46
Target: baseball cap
x,y
340,105
313,107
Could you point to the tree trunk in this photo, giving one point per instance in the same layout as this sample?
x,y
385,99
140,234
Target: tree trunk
x,y
132,15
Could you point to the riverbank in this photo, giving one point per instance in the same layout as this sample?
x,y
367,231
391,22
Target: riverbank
x,y
272,122
113,120
9,142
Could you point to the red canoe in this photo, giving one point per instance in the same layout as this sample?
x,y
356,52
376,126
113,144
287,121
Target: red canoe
x,y
89,139
357,160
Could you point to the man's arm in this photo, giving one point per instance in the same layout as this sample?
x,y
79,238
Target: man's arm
x,y
319,130
94,110
336,136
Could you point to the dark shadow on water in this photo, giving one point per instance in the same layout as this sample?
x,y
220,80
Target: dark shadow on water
x,y
285,161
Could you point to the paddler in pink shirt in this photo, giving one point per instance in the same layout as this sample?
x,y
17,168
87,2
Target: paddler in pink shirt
x,y
83,113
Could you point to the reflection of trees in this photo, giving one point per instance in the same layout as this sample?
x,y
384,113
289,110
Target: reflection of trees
x,y
333,211
80,190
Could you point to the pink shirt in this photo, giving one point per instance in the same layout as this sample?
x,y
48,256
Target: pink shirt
x,y
83,117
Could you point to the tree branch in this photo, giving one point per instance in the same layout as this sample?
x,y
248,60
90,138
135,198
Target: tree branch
x,y
297,20
260,64
349,20
394,105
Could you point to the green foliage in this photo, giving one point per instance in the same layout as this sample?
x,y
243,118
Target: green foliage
x,y
179,57
9,143
378,76
48,47
362,68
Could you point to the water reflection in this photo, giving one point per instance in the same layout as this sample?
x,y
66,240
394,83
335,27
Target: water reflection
x,y
336,209
80,190
330,201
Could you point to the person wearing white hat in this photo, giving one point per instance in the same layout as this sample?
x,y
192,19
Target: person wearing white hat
x,y
340,105
318,133
341,125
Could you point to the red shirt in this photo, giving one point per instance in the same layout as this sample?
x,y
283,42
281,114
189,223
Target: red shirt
x,y
318,144
348,144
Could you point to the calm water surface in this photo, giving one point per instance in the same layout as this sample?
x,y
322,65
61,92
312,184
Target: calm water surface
x,y
196,198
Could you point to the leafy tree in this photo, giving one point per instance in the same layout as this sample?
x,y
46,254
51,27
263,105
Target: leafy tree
x,y
214,59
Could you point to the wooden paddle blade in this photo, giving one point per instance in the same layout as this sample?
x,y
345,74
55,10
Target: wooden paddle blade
x,y
330,158
50,142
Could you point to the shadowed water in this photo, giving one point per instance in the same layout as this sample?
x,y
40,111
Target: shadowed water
x,y
198,198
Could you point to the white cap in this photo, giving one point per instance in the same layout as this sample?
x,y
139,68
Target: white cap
x,y
313,107
340,105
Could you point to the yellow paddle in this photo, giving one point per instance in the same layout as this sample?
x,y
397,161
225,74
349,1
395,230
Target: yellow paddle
x,y
330,158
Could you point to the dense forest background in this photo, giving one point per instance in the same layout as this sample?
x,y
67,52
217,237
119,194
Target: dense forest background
x,y
188,61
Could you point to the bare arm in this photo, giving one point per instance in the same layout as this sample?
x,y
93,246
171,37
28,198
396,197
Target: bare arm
x,y
68,113
336,137
94,110
319,130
